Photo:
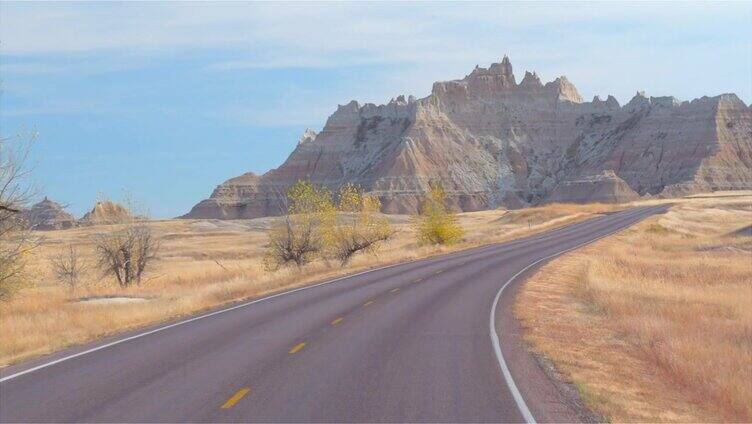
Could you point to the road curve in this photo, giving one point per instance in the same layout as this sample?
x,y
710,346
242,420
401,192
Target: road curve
x,y
406,343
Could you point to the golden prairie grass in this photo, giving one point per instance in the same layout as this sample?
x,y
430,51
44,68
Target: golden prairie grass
x,y
203,264
654,324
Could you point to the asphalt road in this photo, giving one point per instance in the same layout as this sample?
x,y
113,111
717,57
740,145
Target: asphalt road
x,y
412,342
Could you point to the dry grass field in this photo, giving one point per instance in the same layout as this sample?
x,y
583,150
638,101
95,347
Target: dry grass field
x,y
654,324
203,264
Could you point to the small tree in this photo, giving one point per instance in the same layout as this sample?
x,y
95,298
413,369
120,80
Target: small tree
x,y
15,234
127,250
298,236
68,267
435,224
358,226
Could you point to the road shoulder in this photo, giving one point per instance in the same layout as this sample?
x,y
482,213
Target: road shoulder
x,y
548,396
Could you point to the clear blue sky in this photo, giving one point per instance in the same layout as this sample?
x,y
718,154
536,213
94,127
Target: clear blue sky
x,y
166,100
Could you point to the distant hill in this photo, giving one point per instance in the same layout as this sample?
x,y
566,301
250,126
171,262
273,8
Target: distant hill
x,y
105,212
49,215
494,142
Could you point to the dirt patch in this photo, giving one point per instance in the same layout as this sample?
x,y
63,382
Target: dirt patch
x,y
111,300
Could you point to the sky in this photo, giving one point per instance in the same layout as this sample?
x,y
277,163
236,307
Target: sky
x,y
163,101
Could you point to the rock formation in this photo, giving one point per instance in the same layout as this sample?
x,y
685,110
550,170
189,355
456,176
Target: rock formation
x,y
606,187
105,212
495,143
48,215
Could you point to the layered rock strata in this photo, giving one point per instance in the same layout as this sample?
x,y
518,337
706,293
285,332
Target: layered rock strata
x,y
493,142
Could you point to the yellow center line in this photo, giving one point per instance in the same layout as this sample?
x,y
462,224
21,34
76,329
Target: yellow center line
x,y
439,271
337,321
417,280
236,398
368,303
297,348
394,290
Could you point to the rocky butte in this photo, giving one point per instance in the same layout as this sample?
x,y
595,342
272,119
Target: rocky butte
x,y
48,215
494,142
105,212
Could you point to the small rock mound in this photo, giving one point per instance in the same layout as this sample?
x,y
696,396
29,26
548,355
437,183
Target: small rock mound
x,y
601,188
106,213
48,215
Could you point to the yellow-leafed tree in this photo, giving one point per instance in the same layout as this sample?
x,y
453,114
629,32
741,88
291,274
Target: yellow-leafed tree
x,y
435,224
299,235
358,225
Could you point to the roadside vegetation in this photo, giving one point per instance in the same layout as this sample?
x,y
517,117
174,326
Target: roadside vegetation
x,y
16,242
125,251
436,224
357,225
654,324
68,267
318,226
202,264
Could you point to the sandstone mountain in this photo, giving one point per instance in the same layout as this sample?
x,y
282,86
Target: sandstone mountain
x,y
105,212
48,215
493,142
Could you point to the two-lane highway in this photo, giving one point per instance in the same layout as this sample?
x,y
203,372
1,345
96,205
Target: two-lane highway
x,y
411,342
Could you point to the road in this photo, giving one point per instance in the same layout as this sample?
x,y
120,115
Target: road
x,y
415,342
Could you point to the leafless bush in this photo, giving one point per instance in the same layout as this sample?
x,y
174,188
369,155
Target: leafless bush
x,y
68,267
294,239
15,236
127,250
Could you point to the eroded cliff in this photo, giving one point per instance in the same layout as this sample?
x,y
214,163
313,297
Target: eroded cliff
x,y
493,142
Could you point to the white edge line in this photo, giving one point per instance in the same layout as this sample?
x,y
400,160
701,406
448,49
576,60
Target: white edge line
x,y
186,321
521,405
242,305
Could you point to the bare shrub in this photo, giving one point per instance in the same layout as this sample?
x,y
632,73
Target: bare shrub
x,y
127,250
293,240
68,267
15,235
